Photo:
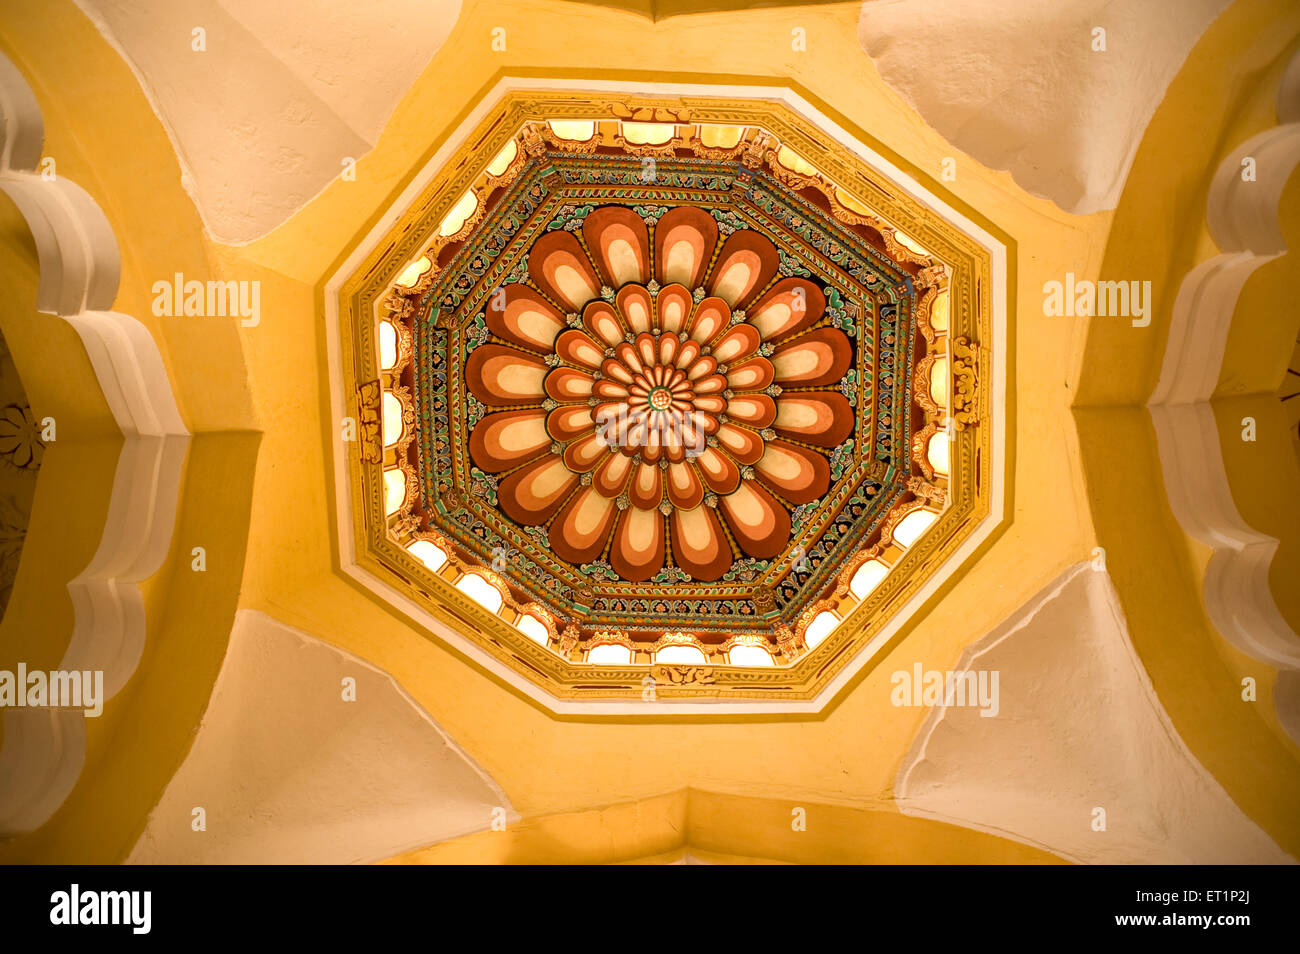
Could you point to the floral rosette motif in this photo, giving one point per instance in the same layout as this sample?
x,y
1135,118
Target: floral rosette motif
x,y
648,415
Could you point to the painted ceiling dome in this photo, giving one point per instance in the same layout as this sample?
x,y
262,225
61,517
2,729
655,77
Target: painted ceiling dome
x,y
651,388
669,422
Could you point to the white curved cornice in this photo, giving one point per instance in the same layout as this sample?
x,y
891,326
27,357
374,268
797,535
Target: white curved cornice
x,y
1243,221
44,749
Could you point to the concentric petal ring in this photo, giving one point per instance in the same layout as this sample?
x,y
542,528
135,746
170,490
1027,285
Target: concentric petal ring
x,y
654,404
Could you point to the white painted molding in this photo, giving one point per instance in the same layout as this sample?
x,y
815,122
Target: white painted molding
x,y
288,772
44,749
1243,220
1078,727
20,120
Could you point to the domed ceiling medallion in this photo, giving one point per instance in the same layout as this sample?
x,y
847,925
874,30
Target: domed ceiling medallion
x,y
664,400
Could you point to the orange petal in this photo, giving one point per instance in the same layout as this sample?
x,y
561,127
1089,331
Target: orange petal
x,y
562,271
706,423
566,423
713,384
585,453
634,304
602,320
629,356
752,375
524,318
718,471
611,390
620,244
684,488
693,438
791,305
579,533
819,357
740,342
569,384
760,525
687,354
508,438
619,427
652,447
500,375
710,317
614,369
701,367
756,410
819,417
577,347
669,345
684,240
647,489
796,473
712,403
675,305
699,545
745,265
648,348
531,494
637,552
612,475
744,445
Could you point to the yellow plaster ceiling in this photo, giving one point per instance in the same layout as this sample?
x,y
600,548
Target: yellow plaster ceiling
x,y
259,488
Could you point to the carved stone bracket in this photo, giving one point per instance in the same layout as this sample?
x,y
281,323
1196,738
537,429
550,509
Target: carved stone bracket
x,y
924,490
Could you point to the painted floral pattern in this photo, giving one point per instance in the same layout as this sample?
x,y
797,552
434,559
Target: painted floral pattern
x,y
20,437
659,399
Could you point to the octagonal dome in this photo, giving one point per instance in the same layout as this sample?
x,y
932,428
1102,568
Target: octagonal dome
x,y
665,399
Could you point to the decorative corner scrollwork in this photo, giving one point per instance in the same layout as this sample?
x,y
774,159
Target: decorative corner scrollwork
x,y
965,380
369,398
683,675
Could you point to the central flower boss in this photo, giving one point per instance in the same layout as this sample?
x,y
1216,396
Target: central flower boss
x,y
655,398
660,397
